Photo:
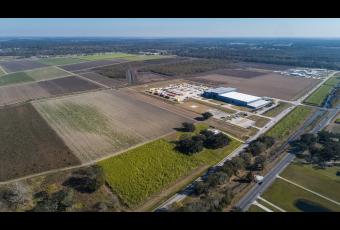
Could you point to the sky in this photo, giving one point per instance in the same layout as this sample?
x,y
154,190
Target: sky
x,y
170,27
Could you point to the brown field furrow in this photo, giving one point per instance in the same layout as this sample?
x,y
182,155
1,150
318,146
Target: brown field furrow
x,y
269,85
98,124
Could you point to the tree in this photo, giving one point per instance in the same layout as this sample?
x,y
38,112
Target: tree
x,y
238,163
206,115
308,139
189,146
188,127
216,141
249,177
256,148
247,158
260,162
229,168
87,180
201,187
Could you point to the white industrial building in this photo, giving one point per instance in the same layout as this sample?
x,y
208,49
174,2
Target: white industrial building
x,y
230,95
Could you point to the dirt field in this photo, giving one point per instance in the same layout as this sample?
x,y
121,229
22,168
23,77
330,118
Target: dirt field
x,y
29,145
67,85
110,82
21,65
46,73
25,92
97,124
195,107
91,64
270,85
239,73
18,93
146,77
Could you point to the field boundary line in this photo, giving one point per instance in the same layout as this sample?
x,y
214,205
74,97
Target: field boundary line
x,y
270,203
315,193
262,206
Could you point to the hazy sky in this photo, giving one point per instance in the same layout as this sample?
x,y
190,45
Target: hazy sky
x,y
328,28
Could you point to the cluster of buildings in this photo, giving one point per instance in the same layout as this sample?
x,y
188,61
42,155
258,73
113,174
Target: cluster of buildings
x,y
229,95
305,72
179,92
183,91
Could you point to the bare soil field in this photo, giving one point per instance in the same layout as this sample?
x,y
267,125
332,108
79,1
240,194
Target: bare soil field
x,y
239,73
21,65
98,124
146,77
195,107
270,85
90,64
263,66
25,92
110,82
19,93
29,145
67,85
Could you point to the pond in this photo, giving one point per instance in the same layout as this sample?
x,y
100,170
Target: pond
x,y
310,206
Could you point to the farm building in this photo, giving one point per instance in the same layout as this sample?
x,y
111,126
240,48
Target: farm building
x,y
230,95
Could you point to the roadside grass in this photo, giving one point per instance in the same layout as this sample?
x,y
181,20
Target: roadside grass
x,y
290,122
129,57
333,81
60,61
14,78
277,110
2,72
259,121
46,73
323,181
337,120
146,170
255,208
318,97
294,199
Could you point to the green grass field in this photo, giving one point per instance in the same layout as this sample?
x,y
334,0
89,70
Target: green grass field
x,y
337,120
60,61
46,73
141,172
290,122
323,181
14,78
318,97
254,208
333,80
294,199
129,57
277,110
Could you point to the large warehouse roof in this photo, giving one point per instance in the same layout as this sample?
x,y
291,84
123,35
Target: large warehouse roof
x,y
240,97
220,90
258,104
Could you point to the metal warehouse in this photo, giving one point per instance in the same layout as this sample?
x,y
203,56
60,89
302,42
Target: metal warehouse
x,y
230,95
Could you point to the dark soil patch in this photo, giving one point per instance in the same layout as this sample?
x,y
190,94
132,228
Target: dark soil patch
x,y
29,145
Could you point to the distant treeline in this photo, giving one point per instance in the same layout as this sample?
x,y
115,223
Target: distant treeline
x,y
320,53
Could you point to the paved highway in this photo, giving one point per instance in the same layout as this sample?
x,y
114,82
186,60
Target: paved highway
x,y
257,190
